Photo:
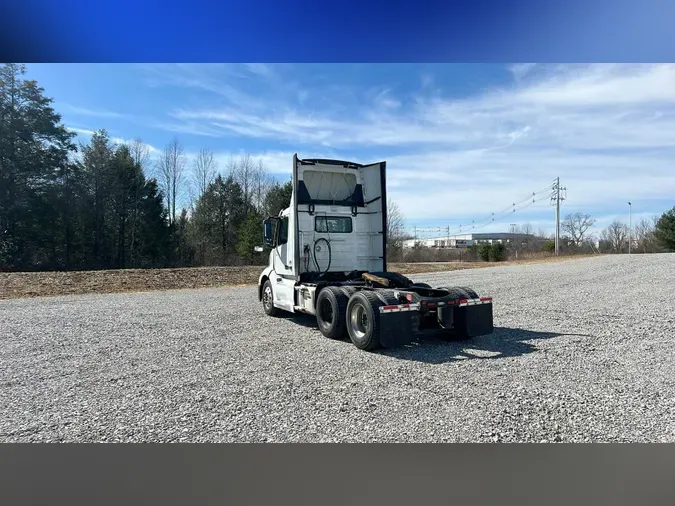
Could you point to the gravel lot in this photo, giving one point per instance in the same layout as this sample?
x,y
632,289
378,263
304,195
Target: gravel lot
x,y
583,351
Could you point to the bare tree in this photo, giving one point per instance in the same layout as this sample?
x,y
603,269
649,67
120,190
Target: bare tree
x,y
543,234
204,171
262,181
395,228
171,167
243,172
644,237
615,236
576,225
140,154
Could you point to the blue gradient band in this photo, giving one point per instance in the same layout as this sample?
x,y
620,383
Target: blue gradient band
x,y
300,30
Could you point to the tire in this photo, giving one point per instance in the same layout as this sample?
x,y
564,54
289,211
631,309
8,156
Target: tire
x,y
268,299
469,291
363,320
455,292
331,311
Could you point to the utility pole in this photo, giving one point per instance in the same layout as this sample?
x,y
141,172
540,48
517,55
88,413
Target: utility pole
x,y
557,198
630,225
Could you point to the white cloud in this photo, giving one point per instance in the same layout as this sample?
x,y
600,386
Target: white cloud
x,y
260,69
83,111
602,106
607,130
520,70
116,140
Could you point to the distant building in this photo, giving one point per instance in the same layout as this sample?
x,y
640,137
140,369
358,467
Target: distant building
x,y
466,240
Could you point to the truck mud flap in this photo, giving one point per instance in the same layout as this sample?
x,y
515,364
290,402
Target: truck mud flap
x,y
398,324
474,317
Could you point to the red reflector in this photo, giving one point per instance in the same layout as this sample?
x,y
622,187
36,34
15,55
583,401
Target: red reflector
x,y
486,298
389,307
432,304
463,301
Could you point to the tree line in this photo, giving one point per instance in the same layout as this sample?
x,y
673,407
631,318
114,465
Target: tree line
x,y
106,205
653,235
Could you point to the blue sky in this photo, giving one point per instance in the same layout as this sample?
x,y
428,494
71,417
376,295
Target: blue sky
x,y
461,141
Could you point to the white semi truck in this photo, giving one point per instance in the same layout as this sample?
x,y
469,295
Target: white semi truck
x,y
328,258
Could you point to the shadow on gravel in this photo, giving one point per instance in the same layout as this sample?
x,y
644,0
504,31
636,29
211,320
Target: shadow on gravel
x,y
301,319
503,342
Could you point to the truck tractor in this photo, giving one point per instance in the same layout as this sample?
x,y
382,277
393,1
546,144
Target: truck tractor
x,y
328,258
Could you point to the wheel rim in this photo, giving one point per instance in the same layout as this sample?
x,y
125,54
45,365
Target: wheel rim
x,y
267,297
326,311
358,320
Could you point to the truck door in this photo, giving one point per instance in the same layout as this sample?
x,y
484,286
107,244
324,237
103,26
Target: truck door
x,y
283,259
375,197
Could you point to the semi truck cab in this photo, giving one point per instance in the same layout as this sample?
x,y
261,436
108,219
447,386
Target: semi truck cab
x,y
328,258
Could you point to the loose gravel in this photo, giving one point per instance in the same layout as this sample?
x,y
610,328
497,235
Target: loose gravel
x,y
582,351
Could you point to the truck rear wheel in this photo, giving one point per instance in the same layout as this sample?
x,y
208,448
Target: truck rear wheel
x,y
363,320
331,308
268,299
469,291
455,292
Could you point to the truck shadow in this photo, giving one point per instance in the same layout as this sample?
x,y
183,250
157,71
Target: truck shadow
x,y
435,349
503,342
301,319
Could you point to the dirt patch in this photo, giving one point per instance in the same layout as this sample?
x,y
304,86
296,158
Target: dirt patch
x,y
40,284
36,284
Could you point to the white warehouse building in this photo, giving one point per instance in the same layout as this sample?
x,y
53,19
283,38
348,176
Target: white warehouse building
x,y
466,240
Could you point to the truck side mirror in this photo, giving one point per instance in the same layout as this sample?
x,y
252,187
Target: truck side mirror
x,y
268,227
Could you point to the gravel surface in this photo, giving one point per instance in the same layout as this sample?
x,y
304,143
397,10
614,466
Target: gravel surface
x,y
582,351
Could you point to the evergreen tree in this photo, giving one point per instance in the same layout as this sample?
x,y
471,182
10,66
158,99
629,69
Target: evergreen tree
x,y
154,238
97,160
218,214
665,230
34,149
250,235
278,197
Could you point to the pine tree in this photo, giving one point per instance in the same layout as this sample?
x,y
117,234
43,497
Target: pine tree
x,y
665,230
34,149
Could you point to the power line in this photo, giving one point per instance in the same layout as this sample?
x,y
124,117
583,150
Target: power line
x,y
544,193
556,198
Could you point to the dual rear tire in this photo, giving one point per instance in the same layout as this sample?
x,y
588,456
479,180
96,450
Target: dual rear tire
x,y
340,315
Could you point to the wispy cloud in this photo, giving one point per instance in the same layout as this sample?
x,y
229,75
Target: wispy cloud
x,y
116,140
83,111
520,70
260,69
603,106
607,130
